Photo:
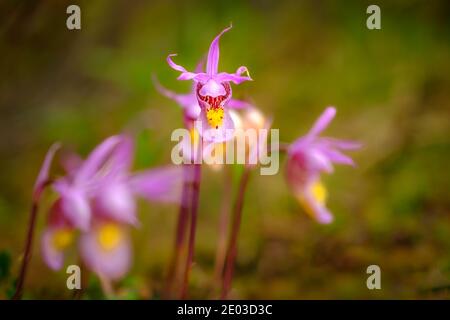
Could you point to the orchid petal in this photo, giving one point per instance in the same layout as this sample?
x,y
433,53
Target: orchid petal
x,y
338,157
111,261
74,204
116,201
223,133
53,258
238,104
43,175
185,75
96,158
323,121
341,144
162,185
212,62
233,77
316,209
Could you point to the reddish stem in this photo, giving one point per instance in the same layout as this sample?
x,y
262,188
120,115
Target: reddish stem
x,y
223,226
232,247
29,240
193,226
180,236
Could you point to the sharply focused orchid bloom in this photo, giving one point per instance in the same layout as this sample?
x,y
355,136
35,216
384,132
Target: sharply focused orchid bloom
x,y
308,157
213,92
98,198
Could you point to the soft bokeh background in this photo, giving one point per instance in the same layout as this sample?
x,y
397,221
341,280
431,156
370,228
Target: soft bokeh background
x,y
391,88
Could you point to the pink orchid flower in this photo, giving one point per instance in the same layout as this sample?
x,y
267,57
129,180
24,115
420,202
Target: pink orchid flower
x,y
308,158
213,93
106,190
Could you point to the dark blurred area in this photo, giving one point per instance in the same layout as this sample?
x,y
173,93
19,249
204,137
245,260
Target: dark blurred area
x,y
391,88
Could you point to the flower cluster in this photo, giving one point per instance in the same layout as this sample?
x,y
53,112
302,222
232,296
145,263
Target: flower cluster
x,y
95,204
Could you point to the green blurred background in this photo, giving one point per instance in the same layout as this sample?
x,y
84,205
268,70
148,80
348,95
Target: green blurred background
x,y
391,88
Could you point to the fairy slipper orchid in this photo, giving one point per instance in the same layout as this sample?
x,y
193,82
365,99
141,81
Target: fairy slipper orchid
x,y
309,157
213,92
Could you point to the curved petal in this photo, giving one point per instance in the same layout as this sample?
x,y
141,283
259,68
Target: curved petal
x,y
213,54
43,175
231,77
163,185
106,250
183,100
315,209
53,258
185,75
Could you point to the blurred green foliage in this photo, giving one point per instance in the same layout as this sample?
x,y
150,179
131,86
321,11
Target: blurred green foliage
x,y
391,88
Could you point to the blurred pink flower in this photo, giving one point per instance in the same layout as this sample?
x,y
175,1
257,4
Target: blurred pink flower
x,y
310,156
213,93
97,197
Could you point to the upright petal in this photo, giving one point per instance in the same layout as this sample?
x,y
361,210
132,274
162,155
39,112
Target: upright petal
x,y
96,158
323,121
212,62
43,175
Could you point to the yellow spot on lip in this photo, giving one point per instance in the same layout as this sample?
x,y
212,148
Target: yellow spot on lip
x,y
319,192
109,236
215,117
62,238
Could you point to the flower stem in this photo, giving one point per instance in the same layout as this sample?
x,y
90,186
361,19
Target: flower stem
x,y
232,246
193,226
27,255
29,240
223,226
180,236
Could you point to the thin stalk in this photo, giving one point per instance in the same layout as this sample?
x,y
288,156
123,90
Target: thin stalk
x,y
223,226
180,236
193,226
29,242
236,224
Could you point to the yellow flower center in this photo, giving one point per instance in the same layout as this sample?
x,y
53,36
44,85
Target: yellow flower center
x,y
319,192
62,238
215,117
109,236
